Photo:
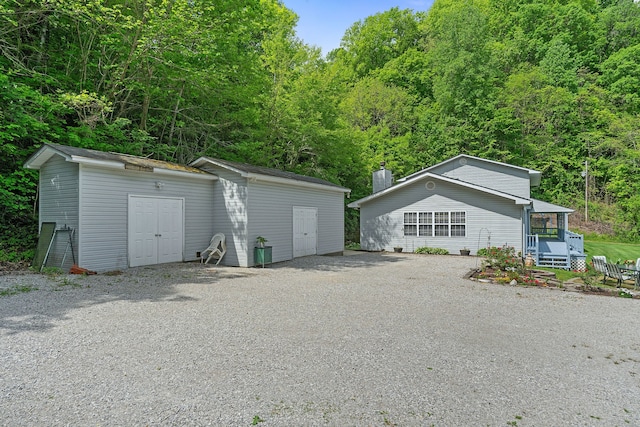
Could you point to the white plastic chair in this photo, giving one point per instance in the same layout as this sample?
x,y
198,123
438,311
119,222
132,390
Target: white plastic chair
x,y
217,246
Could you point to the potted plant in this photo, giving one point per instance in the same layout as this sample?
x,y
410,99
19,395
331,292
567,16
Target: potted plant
x,y
465,251
262,254
261,241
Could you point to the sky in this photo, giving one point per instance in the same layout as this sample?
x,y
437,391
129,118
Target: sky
x,y
322,23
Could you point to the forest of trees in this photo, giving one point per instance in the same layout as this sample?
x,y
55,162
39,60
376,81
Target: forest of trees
x,y
544,84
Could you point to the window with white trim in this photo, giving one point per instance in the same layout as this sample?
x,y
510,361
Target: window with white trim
x,y
435,224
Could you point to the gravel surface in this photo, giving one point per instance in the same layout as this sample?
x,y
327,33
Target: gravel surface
x,y
364,340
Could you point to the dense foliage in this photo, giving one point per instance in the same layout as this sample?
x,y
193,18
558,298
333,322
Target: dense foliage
x,y
544,84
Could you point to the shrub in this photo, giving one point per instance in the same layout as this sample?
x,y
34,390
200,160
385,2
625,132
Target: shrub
x,y
483,252
503,258
431,251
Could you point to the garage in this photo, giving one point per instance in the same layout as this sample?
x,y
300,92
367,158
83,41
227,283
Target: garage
x,y
127,211
124,211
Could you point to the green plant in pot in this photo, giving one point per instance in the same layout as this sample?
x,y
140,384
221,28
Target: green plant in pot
x,y
261,241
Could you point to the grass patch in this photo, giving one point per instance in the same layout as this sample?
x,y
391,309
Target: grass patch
x,y
17,289
561,275
612,250
70,283
353,246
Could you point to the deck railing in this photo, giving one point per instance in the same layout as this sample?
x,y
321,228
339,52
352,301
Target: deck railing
x,y
545,231
575,241
533,245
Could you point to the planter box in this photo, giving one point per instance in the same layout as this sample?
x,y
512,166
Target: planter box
x,y
262,255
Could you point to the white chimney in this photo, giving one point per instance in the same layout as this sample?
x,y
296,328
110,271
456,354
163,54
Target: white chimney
x,y
382,178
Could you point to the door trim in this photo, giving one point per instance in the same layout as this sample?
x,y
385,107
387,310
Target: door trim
x,y
130,225
305,250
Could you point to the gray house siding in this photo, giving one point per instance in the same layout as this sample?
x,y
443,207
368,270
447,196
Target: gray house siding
x,y
382,220
59,204
104,195
271,216
503,178
230,216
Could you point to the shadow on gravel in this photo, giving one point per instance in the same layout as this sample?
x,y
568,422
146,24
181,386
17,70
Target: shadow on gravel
x,y
40,301
50,299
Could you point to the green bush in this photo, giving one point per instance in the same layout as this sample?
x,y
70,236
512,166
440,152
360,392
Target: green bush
x,y
431,251
504,258
483,252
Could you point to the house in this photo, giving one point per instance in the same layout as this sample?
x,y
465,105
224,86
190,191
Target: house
x,y
125,211
467,202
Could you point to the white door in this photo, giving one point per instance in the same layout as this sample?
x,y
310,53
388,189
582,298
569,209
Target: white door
x,y
155,230
305,231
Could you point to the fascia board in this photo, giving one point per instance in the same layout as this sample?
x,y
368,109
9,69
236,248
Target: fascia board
x,y
201,160
254,177
205,176
41,156
534,176
517,200
95,162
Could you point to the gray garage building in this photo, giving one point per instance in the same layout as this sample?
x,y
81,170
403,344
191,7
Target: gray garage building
x,y
126,211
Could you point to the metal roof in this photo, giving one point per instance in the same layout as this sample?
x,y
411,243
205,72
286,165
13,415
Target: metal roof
x,y
252,171
516,199
534,175
545,207
85,155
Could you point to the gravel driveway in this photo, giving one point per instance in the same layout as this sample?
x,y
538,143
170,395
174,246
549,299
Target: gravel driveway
x,y
364,340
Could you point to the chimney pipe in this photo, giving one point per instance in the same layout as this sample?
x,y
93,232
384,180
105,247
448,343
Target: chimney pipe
x,y
382,179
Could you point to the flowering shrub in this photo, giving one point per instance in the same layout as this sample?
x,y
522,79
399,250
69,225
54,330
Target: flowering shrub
x,y
503,258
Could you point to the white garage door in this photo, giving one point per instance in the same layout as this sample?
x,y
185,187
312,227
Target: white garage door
x,y
155,230
305,231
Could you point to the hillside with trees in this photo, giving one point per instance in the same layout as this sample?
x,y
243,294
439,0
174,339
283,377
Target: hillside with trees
x,y
545,84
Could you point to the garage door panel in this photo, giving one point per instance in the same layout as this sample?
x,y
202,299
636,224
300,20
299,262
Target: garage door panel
x,y
155,230
305,231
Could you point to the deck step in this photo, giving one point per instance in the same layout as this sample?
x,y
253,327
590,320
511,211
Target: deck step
x,y
554,260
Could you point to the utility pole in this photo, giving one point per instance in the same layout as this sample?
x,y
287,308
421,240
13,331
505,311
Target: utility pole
x,y
585,173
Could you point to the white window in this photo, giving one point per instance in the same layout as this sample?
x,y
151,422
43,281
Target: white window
x,y
410,224
435,224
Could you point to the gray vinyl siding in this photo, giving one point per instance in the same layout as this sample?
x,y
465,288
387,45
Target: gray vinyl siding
x,y
230,214
59,204
506,179
271,216
382,219
104,213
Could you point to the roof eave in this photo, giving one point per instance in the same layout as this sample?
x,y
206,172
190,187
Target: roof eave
x,y
516,200
40,157
256,177
205,175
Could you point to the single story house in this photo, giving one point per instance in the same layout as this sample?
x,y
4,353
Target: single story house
x,y
125,211
467,202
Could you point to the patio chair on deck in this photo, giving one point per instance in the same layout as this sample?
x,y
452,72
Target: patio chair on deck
x,y
217,246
